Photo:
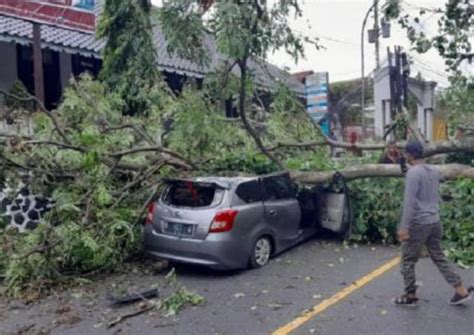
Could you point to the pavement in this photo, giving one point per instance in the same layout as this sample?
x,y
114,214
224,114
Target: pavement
x,y
263,301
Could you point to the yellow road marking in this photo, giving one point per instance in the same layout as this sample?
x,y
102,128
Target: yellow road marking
x,y
306,316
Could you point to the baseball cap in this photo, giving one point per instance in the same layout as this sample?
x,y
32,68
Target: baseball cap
x,y
414,148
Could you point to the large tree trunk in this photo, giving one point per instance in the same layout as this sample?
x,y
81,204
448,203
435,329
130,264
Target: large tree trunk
x,y
430,149
448,171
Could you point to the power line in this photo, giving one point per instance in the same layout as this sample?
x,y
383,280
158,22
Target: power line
x,y
433,10
425,68
430,66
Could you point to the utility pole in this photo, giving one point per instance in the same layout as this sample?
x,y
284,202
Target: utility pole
x,y
377,34
362,76
374,35
38,62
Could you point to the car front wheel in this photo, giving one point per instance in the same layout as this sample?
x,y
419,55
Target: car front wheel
x,y
261,252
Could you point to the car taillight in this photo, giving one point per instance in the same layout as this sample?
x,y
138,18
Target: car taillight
x,y
150,212
223,221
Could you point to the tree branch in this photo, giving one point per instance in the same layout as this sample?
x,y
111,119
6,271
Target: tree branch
x,y
243,116
42,109
129,315
56,144
188,164
306,145
138,179
448,171
40,249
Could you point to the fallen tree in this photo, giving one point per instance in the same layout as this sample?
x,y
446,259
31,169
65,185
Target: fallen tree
x,y
448,171
102,167
431,149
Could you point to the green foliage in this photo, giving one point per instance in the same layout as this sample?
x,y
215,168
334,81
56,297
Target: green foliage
x,y
19,90
454,37
466,158
236,161
129,57
180,297
245,33
89,176
457,214
288,121
377,208
173,304
94,217
79,250
189,40
457,102
240,29
199,130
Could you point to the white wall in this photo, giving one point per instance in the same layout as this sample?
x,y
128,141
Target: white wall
x,y
381,101
8,70
425,93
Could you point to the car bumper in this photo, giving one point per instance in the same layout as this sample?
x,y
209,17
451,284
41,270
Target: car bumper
x,y
215,251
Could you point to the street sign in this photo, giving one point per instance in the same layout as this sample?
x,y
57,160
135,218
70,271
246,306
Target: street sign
x,y
75,14
317,86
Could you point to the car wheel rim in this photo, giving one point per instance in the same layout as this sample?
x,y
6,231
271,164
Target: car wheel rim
x,y
262,251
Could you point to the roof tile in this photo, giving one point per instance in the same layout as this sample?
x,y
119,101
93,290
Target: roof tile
x,y
267,75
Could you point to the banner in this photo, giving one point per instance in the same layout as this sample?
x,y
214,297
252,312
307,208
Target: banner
x,y
75,14
316,86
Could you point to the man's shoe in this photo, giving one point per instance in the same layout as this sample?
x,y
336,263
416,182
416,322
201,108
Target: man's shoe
x,y
459,299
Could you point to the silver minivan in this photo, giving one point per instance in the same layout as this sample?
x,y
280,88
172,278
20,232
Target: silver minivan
x,y
227,223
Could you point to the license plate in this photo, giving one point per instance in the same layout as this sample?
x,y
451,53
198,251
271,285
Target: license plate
x,y
179,229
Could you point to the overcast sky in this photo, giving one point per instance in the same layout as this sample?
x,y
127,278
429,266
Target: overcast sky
x,y
338,25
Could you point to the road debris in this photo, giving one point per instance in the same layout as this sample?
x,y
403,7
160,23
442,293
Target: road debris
x,y
130,315
25,329
133,297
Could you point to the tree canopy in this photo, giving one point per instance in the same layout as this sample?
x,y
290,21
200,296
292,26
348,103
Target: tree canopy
x,y
129,57
454,38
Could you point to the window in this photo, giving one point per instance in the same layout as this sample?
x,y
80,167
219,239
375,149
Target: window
x,y
279,187
190,194
250,191
81,64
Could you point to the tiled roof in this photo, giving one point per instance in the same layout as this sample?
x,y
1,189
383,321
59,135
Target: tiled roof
x,y
21,31
71,41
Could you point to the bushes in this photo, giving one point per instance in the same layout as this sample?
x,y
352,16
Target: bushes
x,y
457,215
48,253
377,209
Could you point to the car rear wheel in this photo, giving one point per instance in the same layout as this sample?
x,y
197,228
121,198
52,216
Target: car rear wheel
x,y
261,252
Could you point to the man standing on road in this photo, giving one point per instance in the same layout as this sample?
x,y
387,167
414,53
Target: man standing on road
x,y
420,225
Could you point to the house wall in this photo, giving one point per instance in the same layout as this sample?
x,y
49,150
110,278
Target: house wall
x,y
381,101
424,91
8,68
425,94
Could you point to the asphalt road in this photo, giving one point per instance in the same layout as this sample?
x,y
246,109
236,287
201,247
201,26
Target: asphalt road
x,y
261,301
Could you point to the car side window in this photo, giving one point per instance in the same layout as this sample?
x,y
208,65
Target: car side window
x,y
249,191
278,187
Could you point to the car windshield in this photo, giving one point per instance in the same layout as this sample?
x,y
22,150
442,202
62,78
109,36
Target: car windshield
x,y
192,194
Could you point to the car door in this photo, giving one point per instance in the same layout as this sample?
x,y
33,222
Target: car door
x,y
282,209
335,214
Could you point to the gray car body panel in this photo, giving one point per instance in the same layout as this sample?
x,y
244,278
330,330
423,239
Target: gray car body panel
x,y
278,219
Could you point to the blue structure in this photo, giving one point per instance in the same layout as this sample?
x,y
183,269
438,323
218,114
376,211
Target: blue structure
x,y
85,4
317,86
